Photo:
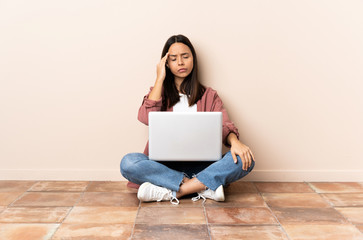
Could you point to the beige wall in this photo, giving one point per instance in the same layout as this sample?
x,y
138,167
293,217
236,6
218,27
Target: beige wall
x,y
73,74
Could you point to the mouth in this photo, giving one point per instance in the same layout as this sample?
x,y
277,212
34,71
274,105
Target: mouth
x,y
182,70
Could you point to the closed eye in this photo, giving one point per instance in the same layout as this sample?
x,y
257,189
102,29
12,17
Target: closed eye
x,y
185,56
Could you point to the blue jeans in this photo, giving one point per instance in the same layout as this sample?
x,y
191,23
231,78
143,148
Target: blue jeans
x,y
137,168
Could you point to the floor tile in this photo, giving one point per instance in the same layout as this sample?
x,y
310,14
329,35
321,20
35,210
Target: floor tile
x,y
251,216
27,231
88,231
184,202
115,199
34,215
354,214
167,232
46,199
15,186
102,215
337,187
8,197
322,232
344,199
283,187
239,200
170,215
59,186
109,210
241,187
238,232
308,215
101,186
308,200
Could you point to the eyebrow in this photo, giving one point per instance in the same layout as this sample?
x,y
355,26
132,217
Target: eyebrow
x,y
180,54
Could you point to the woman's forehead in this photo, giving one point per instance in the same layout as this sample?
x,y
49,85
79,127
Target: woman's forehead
x,y
178,49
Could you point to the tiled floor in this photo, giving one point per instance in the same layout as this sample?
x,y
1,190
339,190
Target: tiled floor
x,y
109,210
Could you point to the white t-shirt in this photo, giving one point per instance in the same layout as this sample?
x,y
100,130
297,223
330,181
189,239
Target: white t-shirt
x,y
183,105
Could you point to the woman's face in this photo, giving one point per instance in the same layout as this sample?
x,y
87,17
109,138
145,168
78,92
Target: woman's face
x,y
180,60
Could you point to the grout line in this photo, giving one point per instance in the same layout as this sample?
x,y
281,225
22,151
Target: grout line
x,y
268,207
86,188
206,220
60,223
69,212
36,182
133,227
311,186
331,204
20,196
5,207
28,191
346,219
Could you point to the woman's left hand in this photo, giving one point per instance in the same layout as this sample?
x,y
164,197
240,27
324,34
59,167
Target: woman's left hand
x,y
245,153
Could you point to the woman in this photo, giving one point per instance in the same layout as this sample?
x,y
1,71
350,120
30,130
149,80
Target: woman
x,y
177,89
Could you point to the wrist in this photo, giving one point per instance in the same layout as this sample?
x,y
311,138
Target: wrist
x,y
159,80
232,138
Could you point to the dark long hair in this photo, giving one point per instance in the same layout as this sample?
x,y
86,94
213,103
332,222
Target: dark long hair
x,y
190,85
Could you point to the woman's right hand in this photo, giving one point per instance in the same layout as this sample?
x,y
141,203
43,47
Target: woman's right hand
x,y
161,72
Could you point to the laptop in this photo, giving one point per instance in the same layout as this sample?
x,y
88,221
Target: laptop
x,y
185,136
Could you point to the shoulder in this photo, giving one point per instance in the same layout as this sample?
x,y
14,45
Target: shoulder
x,y
210,93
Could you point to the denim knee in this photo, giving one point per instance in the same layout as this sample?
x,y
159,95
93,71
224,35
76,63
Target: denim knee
x,y
238,166
127,163
249,169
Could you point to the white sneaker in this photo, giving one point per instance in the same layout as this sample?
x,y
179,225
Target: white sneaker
x,y
217,195
149,192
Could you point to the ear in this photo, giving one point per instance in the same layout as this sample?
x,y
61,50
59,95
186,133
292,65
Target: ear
x,y
167,65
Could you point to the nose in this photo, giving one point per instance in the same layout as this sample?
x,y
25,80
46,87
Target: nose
x,y
180,61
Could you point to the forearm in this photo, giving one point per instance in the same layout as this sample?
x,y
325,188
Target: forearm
x,y
155,93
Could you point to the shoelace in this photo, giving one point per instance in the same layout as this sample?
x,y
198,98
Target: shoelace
x,y
173,200
194,199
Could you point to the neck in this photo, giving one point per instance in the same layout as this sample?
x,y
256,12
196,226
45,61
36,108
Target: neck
x,y
178,82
